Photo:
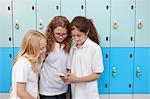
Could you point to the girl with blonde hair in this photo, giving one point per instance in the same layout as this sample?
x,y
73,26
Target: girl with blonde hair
x,y
27,64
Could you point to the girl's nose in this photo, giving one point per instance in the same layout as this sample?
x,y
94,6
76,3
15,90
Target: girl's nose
x,y
75,38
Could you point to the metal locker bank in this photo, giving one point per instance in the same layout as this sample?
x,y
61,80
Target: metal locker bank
x,y
123,27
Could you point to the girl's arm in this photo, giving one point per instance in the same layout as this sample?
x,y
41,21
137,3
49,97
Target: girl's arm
x,y
74,79
21,91
92,77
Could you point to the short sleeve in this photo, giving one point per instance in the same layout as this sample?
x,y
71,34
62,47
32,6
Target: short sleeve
x,y
97,60
22,70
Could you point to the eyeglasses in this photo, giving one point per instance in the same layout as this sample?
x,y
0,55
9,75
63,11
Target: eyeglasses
x,y
62,35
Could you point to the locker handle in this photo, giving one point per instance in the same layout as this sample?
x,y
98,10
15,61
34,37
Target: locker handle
x,y
57,7
138,72
9,38
106,86
131,55
115,24
106,38
32,7
82,7
139,24
131,38
107,7
9,8
114,73
106,55
132,7
130,85
10,55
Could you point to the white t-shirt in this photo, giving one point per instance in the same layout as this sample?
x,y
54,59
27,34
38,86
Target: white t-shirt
x,y
56,62
84,61
22,72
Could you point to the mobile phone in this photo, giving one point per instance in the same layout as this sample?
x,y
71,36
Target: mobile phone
x,y
61,75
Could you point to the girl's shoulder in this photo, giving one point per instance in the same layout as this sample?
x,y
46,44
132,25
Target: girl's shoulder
x,y
93,44
22,61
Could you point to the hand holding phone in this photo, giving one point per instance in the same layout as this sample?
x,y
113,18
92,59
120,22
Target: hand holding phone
x,y
61,75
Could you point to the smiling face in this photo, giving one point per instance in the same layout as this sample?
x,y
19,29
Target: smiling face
x,y
60,34
78,36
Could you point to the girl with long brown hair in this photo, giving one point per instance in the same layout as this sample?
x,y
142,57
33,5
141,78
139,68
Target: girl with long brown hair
x,y
85,60
58,46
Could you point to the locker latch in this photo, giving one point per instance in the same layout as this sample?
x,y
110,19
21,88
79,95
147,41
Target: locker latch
x,y
139,24
138,72
17,26
115,25
114,72
41,25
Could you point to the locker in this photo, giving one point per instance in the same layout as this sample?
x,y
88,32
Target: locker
x,y
122,23
142,36
141,71
72,8
46,10
121,71
149,69
5,23
5,69
103,82
24,18
99,11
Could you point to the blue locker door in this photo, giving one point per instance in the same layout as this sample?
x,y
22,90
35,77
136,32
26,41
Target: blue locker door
x,y
149,67
24,18
46,10
6,52
141,71
121,72
72,8
5,23
103,82
142,37
99,12
6,58
122,23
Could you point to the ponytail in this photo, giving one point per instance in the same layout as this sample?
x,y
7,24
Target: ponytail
x,y
93,35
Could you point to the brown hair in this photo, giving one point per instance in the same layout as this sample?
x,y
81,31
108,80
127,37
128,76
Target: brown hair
x,y
58,21
85,25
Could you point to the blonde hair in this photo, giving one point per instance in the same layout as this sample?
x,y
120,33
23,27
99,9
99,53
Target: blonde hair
x,y
58,21
31,47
